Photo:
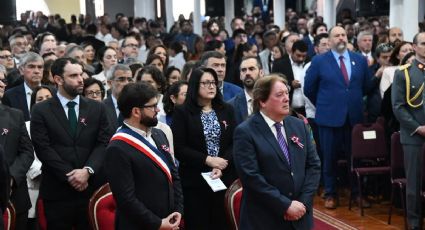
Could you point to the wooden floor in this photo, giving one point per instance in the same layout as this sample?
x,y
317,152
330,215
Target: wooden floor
x,y
375,217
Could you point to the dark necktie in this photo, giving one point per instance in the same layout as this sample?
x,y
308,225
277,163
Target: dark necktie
x,y
343,69
72,117
282,142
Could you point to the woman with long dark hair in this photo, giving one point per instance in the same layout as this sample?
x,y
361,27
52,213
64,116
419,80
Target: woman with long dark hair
x,y
175,95
203,142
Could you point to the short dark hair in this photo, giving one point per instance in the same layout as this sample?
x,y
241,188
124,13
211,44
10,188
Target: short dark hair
x,y
169,71
153,49
263,87
60,63
318,38
211,54
193,89
35,91
256,58
91,81
213,45
299,45
134,95
156,74
317,25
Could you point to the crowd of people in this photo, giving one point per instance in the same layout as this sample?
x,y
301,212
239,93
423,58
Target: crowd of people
x,y
146,110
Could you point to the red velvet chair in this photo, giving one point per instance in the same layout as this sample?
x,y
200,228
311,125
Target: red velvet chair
x,y
232,204
102,208
41,216
9,217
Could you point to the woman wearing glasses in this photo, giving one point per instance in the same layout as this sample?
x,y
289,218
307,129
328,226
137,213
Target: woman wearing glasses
x,y
203,137
93,89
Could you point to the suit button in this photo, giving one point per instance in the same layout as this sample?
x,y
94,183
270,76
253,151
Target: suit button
x,y
292,174
290,194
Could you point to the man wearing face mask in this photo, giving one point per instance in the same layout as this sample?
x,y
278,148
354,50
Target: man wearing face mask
x,y
335,83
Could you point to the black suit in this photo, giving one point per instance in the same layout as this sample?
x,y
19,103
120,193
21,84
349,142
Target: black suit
x,y
270,184
19,156
240,107
61,153
201,204
4,185
143,193
114,122
16,98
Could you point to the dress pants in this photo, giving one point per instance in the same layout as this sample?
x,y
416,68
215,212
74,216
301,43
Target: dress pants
x,y
66,215
413,163
333,140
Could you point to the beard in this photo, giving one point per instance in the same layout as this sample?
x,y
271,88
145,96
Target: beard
x,y
248,82
149,121
341,46
214,32
72,91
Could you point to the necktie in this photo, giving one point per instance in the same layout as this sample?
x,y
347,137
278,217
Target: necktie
x,y
250,106
72,117
343,69
282,142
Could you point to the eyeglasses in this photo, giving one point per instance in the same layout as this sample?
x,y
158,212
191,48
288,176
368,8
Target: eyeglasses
x,y
132,45
206,84
4,80
123,79
94,93
150,107
6,57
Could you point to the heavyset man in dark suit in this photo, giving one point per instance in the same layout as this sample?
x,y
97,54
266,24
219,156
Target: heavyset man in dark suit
x,y
4,185
141,172
336,83
118,76
277,163
250,71
19,97
70,134
409,110
18,153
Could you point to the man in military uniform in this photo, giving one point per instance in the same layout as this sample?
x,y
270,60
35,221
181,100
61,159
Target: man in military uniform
x,y
407,101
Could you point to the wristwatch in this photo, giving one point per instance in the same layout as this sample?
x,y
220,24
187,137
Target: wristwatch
x,y
90,170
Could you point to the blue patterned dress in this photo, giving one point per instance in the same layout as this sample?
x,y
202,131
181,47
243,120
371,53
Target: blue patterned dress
x,y
212,132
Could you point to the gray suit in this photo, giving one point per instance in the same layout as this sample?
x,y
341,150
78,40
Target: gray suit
x,y
411,117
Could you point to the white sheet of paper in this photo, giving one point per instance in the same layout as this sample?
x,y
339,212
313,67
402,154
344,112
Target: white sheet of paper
x,y
215,184
368,135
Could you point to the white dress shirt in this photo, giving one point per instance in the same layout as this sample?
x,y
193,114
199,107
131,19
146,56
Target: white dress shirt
x,y
272,127
299,70
147,135
63,100
28,93
249,103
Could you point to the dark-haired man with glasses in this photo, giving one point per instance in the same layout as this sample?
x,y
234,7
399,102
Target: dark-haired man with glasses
x,y
118,76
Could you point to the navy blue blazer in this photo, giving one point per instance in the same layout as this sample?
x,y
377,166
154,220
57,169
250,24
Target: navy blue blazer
x,y
325,86
269,183
310,46
16,98
240,107
230,90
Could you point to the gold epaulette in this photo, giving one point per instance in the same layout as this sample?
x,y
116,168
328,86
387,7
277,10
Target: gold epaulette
x,y
403,67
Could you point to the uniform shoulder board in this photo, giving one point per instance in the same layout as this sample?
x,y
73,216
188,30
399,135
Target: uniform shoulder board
x,y
403,67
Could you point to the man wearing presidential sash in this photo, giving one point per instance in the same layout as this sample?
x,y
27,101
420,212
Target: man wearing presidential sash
x,y
140,169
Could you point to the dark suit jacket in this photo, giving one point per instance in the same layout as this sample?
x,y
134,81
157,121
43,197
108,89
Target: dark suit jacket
x,y
269,183
4,184
191,149
230,90
60,152
112,115
240,107
16,98
19,154
325,86
410,118
141,189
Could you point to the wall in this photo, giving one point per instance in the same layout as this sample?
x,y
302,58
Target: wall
x,y
64,7
113,7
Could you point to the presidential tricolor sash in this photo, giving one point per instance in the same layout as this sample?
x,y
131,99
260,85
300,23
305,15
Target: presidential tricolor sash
x,y
138,142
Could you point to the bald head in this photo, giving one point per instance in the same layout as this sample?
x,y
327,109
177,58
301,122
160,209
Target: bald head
x,y
395,35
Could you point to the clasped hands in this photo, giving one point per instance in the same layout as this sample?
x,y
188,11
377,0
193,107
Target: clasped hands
x,y
78,179
171,222
218,164
295,211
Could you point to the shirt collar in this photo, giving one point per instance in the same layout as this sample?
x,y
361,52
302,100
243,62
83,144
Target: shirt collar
x,y
144,134
114,101
345,54
63,100
27,89
269,121
247,96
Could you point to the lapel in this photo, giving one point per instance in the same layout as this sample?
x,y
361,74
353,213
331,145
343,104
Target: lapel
x,y
4,124
59,113
335,66
354,63
243,108
22,97
294,149
82,116
265,131
221,117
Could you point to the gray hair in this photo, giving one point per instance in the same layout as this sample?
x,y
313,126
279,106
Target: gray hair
x,y
111,72
30,57
364,33
71,48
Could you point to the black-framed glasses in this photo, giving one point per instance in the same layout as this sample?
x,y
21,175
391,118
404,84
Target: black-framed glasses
x,y
4,80
6,57
94,93
151,107
206,84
